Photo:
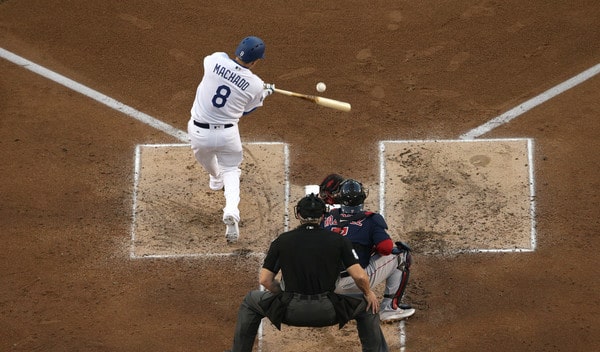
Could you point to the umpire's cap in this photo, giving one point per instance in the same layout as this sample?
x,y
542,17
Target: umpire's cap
x,y
310,207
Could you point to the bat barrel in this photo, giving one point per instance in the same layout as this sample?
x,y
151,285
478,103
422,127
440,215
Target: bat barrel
x,y
326,102
333,104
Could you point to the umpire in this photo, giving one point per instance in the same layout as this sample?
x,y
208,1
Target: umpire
x,y
309,258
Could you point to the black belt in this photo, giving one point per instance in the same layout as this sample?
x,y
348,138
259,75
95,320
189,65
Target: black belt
x,y
310,297
207,125
344,274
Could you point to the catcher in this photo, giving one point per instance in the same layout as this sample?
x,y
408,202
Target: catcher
x,y
368,233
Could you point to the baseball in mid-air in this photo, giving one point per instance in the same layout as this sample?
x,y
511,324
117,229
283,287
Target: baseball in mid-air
x,y
321,87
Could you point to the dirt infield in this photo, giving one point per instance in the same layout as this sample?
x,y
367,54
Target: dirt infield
x,y
421,70
177,215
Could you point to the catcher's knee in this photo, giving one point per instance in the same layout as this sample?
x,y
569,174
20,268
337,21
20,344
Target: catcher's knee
x,y
403,246
404,256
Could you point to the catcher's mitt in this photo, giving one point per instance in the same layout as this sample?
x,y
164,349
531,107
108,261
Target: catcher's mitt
x,y
330,187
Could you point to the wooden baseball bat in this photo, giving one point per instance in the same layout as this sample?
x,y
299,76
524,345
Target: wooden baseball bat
x,y
329,103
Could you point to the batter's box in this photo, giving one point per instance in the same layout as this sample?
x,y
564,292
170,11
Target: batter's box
x,y
454,196
176,214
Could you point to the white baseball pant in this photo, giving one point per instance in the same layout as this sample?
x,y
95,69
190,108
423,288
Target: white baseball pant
x,y
219,151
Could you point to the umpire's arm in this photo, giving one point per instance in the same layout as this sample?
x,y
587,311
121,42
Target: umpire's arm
x,y
362,282
267,279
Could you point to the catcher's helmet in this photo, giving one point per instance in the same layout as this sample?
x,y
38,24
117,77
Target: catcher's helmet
x,y
352,196
310,207
250,49
329,189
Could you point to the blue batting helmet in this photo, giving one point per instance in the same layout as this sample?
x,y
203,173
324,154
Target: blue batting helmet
x,y
250,49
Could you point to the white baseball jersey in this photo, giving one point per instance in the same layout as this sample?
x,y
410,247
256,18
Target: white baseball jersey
x,y
226,91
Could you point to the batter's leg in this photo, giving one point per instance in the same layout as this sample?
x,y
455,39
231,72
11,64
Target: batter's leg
x,y
208,160
204,152
230,157
231,182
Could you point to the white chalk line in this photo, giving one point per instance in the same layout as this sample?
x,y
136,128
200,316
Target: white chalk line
x,y
532,201
95,95
531,103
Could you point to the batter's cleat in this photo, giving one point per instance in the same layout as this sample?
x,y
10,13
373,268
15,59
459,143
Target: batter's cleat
x,y
232,233
215,183
388,315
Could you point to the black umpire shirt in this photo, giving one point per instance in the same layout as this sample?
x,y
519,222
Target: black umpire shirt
x,y
310,258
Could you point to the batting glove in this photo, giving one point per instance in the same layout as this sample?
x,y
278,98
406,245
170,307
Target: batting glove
x,y
269,89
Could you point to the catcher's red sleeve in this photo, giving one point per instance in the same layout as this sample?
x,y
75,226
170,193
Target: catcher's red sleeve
x,y
385,247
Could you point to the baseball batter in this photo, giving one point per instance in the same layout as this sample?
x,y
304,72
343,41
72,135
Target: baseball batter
x,y
228,90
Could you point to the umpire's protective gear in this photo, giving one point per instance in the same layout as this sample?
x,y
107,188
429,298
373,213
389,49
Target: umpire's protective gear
x,y
310,207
